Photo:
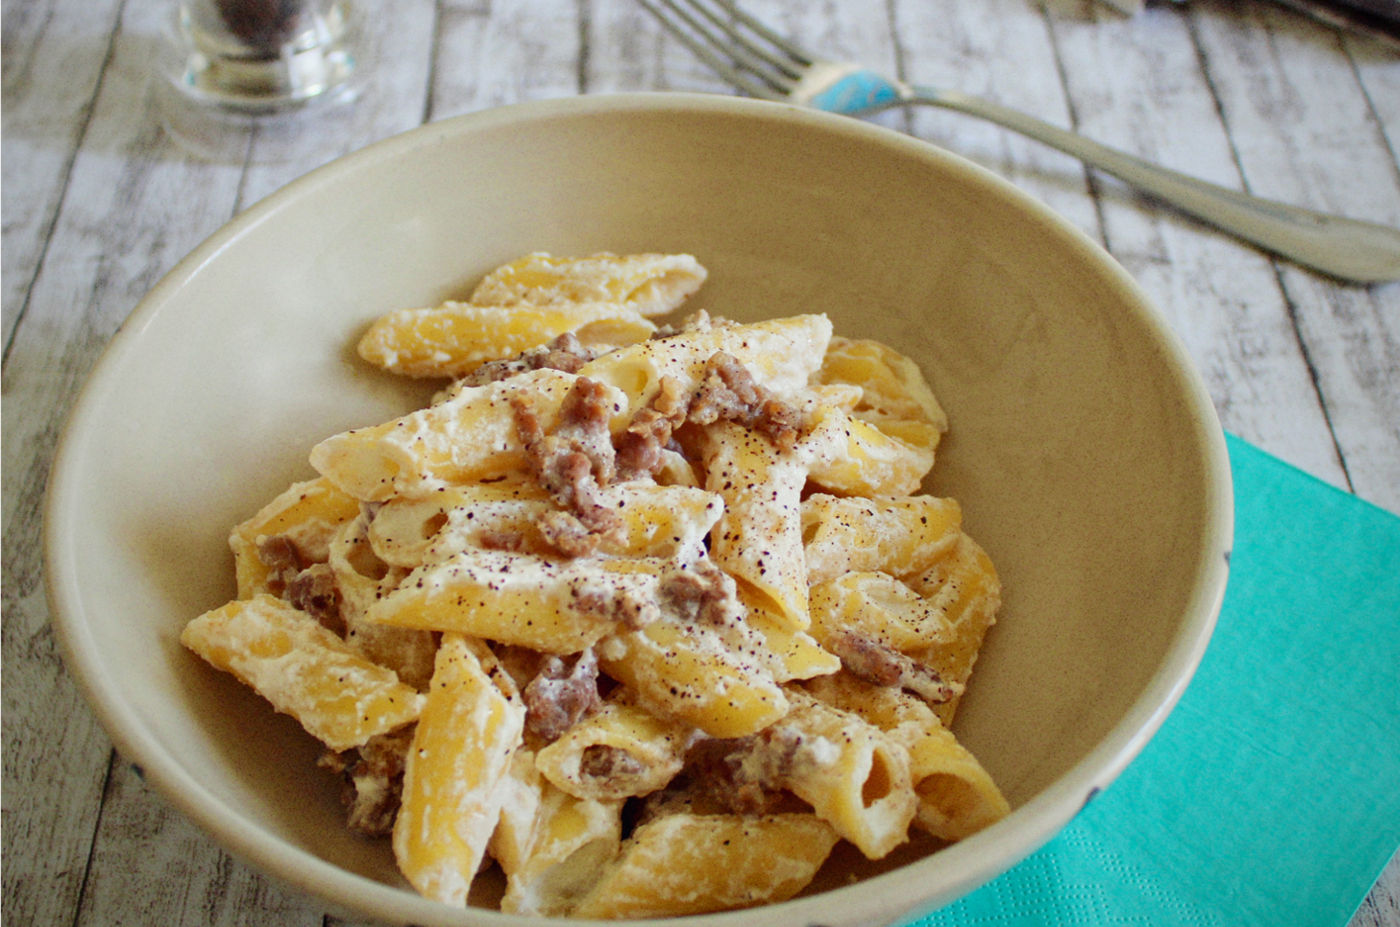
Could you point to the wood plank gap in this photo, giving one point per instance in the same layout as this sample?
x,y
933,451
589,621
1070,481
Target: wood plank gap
x,y
434,53
585,43
241,193
1208,78
1091,178
1290,306
1377,119
901,59
85,122
1289,303
112,760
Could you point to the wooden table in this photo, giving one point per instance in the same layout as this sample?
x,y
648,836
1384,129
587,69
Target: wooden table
x,y
99,203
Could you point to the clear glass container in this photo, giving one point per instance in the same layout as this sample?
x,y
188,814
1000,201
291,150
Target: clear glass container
x,y
229,69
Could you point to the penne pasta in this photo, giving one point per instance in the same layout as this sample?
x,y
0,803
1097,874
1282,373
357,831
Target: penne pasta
x,y
892,386
855,777
880,607
780,355
549,844
851,456
758,538
965,586
656,521
648,284
471,436
901,536
455,778
646,618
303,517
453,339
689,673
287,657
553,606
689,863
956,795
619,752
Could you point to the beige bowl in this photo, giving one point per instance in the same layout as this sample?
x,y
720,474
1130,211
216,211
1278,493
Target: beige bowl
x,y
1085,452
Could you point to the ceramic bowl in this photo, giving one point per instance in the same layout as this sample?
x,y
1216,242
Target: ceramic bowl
x,y
1083,448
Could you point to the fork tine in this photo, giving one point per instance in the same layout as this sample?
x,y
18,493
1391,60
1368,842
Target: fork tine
x,y
802,57
752,54
685,28
748,65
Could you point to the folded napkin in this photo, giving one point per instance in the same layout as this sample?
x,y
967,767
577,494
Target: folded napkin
x,y
1271,795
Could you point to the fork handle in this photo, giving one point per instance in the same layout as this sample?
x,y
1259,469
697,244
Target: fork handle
x,y
1348,249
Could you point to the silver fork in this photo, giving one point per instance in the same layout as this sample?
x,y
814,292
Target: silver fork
x,y
761,63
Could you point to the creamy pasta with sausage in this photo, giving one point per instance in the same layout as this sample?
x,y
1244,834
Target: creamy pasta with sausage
x,y
647,616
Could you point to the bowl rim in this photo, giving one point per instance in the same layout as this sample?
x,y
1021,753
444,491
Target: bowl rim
x,y
898,893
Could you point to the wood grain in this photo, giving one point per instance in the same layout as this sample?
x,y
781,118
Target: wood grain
x,y
98,203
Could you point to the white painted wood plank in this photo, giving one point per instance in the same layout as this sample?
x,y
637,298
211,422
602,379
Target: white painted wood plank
x,y
52,57
397,56
1305,132
964,46
150,865
1137,84
629,50
133,205
130,210
55,754
492,54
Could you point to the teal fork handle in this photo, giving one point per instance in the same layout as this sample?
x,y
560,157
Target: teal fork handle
x,y
1362,252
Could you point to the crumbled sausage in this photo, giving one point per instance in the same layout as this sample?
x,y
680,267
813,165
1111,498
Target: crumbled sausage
x,y
279,553
564,353
639,447
560,696
745,775
728,392
608,764
867,658
615,604
565,533
700,591
315,592
574,461
372,777
503,539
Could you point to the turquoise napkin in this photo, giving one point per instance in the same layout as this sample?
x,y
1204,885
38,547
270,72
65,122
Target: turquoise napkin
x,y
1271,795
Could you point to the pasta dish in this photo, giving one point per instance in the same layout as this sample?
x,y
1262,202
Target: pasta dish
x,y
649,616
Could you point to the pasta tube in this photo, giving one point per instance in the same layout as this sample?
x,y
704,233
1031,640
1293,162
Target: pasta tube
x,y
648,284
689,863
305,515
554,606
656,521
880,607
471,436
361,580
892,386
957,797
899,535
455,338
780,354
304,670
964,586
758,538
620,751
456,771
687,672
855,777
550,844
849,455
